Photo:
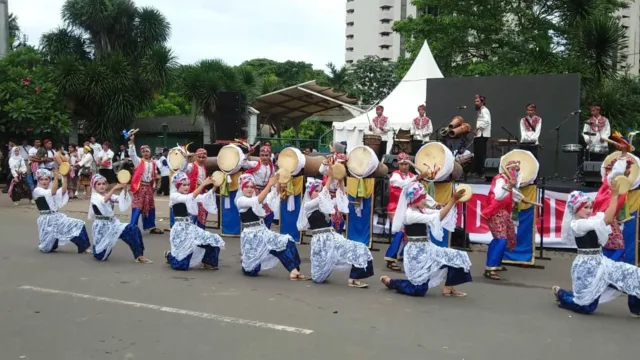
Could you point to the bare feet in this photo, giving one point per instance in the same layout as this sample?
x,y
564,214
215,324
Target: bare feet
x,y
296,275
357,284
386,281
143,260
555,293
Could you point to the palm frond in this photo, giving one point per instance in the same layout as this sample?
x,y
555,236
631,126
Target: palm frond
x,y
156,67
63,42
153,27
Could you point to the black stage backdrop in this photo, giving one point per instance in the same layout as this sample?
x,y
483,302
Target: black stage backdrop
x,y
555,96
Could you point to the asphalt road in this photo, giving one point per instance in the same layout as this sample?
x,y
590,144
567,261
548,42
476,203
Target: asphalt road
x,y
69,306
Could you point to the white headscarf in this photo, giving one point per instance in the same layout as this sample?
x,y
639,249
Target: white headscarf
x,y
410,193
575,201
15,160
303,220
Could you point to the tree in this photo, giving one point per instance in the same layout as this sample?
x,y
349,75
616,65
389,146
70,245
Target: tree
x,y
29,103
201,83
338,79
108,61
288,73
166,104
372,79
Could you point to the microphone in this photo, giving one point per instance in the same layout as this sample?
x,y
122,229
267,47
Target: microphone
x,y
462,107
576,112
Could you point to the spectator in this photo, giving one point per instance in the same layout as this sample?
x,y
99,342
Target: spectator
x,y
48,161
84,170
105,163
163,166
72,182
18,188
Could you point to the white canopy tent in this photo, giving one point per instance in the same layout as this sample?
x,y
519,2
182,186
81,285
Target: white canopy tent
x,y
401,106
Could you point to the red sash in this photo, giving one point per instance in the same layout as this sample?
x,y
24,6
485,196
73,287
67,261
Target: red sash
x,y
136,179
493,205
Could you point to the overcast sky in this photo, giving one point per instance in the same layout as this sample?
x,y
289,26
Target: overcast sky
x,y
233,30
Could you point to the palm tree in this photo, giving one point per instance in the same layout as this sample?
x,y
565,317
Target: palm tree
x,y
338,79
108,61
202,82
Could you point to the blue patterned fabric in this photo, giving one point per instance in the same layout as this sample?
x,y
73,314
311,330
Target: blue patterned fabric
x,y
268,220
230,218
360,227
172,218
614,254
341,228
289,258
495,254
405,287
289,219
394,247
132,236
81,241
194,219
566,302
359,273
148,222
211,254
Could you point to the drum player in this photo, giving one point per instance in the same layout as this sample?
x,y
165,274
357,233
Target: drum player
x,y
594,132
421,126
530,127
380,126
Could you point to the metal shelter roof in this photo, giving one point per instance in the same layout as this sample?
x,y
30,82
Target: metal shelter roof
x,y
301,101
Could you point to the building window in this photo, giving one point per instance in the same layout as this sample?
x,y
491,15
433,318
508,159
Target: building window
x,y
385,8
349,61
350,24
350,11
385,47
350,37
385,34
385,21
349,49
385,59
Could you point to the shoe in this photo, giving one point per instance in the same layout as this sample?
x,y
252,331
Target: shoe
x,y
32,202
16,203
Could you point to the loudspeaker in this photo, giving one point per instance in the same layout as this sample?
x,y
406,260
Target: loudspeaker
x,y
491,166
591,172
229,106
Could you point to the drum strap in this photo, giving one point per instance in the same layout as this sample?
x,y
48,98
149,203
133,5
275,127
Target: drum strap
x,y
529,123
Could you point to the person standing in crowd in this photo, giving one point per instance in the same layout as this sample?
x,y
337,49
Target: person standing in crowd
x,y
262,248
142,185
398,180
197,173
594,133
34,160
84,170
421,126
55,228
49,162
380,126
24,153
18,187
530,127
72,178
262,172
273,156
482,133
165,171
97,149
105,163
5,163
596,279
426,264
192,246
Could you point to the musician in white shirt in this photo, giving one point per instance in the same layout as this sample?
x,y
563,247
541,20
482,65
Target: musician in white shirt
x,y
599,126
380,126
421,127
530,127
482,133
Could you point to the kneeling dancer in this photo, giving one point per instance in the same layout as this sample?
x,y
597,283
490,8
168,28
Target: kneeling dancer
x,y
261,247
596,278
191,246
425,264
330,250
54,228
107,229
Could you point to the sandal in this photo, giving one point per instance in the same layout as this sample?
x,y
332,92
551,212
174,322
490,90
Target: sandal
x,y
208,267
88,251
166,257
156,231
386,281
143,260
299,277
491,276
555,293
391,265
358,284
635,315
454,293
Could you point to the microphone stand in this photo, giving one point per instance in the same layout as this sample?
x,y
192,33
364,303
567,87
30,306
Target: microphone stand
x,y
510,135
437,131
557,130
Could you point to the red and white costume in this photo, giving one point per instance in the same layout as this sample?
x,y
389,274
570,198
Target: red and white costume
x,y
197,174
421,126
600,127
397,182
142,182
261,172
603,197
337,216
380,124
530,128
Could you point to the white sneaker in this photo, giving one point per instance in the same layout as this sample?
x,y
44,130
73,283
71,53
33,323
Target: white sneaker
x,y
16,203
33,202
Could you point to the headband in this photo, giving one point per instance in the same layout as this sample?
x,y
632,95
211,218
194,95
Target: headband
x,y
265,149
379,107
614,161
576,201
179,179
43,173
341,158
97,178
106,143
403,157
201,151
145,147
415,193
246,179
513,163
313,186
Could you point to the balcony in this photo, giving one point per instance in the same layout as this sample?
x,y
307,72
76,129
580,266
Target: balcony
x,y
349,43
384,28
385,41
385,53
350,16
382,3
349,57
351,5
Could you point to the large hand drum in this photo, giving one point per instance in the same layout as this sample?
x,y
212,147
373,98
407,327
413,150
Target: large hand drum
x,y
230,159
434,155
218,178
124,176
177,159
292,160
362,161
634,171
64,168
529,166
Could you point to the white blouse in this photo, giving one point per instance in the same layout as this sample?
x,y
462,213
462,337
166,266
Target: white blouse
x,y
596,223
208,200
147,175
106,208
56,201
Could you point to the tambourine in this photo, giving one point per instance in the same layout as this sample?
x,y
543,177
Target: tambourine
x,y
218,178
64,168
624,184
124,176
339,171
284,176
468,192
127,133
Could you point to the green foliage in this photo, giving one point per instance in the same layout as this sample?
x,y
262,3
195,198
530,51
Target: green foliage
x,y
109,61
288,73
371,79
311,128
29,103
169,104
